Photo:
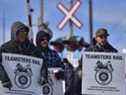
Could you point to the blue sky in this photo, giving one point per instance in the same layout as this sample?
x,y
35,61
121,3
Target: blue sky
x,y
109,14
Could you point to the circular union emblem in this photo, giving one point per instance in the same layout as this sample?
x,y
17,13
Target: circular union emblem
x,y
103,77
22,80
46,89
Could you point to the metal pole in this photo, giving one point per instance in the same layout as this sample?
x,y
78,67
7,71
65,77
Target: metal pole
x,y
42,10
91,21
70,22
41,16
29,14
4,26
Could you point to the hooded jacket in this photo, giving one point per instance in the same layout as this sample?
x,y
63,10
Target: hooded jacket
x,y
14,47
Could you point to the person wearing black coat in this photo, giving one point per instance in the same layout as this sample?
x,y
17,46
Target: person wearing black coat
x,y
101,42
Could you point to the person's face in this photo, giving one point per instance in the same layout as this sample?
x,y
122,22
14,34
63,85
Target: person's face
x,y
44,42
102,40
58,47
72,46
22,36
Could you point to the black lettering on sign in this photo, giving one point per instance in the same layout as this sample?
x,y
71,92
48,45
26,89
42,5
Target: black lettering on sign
x,y
95,56
115,57
22,60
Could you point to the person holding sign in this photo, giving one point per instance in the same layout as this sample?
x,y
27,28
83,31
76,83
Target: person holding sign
x,y
42,41
18,45
101,42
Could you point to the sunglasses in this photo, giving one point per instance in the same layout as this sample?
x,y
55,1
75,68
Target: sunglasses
x,y
23,33
44,39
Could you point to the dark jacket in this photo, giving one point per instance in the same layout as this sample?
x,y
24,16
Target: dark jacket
x,y
26,48
77,81
99,48
77,77
51,57
69,78
73,79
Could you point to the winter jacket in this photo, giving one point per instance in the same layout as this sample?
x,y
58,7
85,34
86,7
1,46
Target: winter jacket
x,y
51,57
69,78
77,83
26,48
99,48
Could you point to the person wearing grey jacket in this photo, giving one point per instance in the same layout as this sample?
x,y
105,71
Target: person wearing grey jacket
x,y
19,44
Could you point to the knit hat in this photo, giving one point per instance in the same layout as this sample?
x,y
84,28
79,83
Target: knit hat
x,y
72,39
16,27
102,32
82,42
58,41
44,33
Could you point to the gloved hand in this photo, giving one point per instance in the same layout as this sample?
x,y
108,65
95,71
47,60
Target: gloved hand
x,y
65,60
42,81
7,85
59,75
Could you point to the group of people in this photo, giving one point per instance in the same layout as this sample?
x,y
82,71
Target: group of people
x,y
71,63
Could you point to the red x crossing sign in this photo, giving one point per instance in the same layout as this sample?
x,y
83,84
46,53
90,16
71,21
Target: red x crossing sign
x,y
70,15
